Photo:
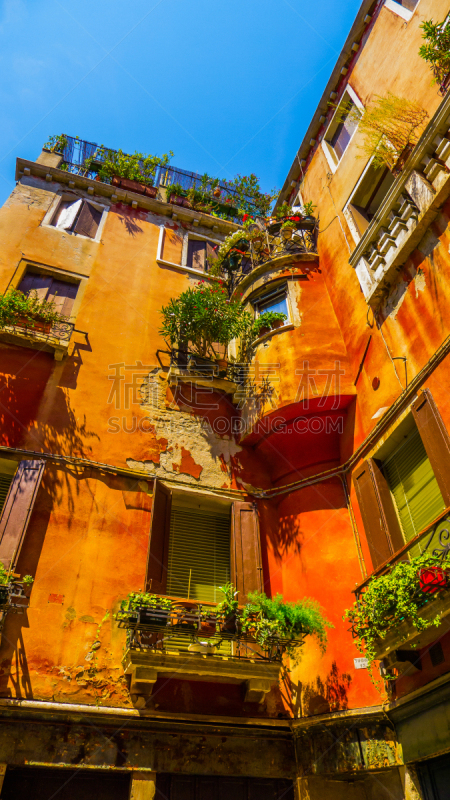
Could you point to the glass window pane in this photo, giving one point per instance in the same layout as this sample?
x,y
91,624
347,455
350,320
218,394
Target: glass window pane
x,y
276,304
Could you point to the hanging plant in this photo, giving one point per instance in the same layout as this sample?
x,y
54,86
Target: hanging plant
x,y
436,50
390,599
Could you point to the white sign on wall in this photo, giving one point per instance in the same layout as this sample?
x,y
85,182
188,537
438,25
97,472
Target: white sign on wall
x,y
360,663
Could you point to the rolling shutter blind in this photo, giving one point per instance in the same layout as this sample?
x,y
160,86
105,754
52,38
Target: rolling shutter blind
x,y
5,483
413,485
199,554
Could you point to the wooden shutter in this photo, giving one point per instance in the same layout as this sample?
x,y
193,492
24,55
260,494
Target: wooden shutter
x,y
88,220
435,439
196,254
63,295
381,524
31,282
158,546
211,255
17,510
246,564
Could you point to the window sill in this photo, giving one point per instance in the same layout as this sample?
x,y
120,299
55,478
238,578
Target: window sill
x,y
182,268
396,8
72,233
288,327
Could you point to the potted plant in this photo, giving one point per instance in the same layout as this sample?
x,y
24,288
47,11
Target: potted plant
x,y
261,325
276,622
208,622
202,317
56,144
28,311
135,173
183,616
287,229
7,582
177,195
308,212
144,608
227,609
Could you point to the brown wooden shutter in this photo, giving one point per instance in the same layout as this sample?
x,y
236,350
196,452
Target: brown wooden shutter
x,y
63,295
31,282
246,564
196,254
88,220
435,439
17,510
381,524
158,546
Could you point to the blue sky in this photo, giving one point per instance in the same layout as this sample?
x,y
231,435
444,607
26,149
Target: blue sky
x,y
230,87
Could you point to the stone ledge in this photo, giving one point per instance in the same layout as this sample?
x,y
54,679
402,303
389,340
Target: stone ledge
x,y
35,341
177,374
145,668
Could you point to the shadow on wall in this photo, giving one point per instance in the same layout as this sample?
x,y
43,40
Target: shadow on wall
x,y
321,697
24,376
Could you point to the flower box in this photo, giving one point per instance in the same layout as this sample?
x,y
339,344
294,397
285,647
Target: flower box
x,y
179,201
36,325
134,186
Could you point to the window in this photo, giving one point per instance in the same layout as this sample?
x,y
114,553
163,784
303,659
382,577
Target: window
x,y
200,254
368,197
199,552
404,8
413,485
79,216
49,287
406,486
197,543
341,128
275,301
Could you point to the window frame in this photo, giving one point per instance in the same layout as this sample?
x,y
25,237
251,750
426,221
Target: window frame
x,y
328,149
400,10
357,235
57,274
276,290
64,197
187,235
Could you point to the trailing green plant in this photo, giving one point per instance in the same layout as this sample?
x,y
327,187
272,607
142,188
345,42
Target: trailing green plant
x,y
387,601
436,50
230,604
389,126
56,143
271,618
17,308
137,167
137,600
201,317
266,320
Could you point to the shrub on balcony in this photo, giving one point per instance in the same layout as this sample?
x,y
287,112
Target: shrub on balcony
x,y
390,599
138,167
24,310
56,144
436,50
202,317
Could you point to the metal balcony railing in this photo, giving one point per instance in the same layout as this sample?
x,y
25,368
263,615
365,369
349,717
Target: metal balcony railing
x,y
196,627
58,332
78,151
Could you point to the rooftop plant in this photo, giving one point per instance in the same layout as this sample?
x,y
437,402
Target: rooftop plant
x,y
388,600
201,317
388,124
56,143
19,308
137,167
436,50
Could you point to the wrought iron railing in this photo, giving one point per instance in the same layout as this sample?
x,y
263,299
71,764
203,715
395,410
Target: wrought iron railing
x,y
198,366
197,628
78,152
57,332
434,540
13,599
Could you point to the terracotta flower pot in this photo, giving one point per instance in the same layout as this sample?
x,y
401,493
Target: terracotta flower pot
x,y
287,233
179,201
134,186
217,192
36,325
208,625
229,624
222,363
264,330
278,324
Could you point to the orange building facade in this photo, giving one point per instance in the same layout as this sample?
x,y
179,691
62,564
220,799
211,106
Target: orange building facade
x,y
125,466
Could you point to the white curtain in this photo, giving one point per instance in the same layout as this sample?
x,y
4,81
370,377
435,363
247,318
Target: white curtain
x,y
67,215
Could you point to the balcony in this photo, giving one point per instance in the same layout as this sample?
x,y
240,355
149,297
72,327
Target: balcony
x,y
13,599
193,641
401,637
409,207
49,339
